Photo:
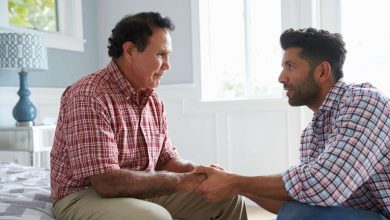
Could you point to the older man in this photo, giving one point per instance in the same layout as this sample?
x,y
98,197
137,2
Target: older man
x,y
112,157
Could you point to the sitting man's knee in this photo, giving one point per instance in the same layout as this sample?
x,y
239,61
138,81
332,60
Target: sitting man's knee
x,y
156,213
294,210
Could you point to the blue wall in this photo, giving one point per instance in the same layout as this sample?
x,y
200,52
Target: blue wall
x,y
65,67
178,10
99,17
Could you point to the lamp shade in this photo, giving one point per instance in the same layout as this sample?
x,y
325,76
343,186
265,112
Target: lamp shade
x,y
25,51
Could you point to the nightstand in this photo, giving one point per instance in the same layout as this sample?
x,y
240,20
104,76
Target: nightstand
x,y
27,145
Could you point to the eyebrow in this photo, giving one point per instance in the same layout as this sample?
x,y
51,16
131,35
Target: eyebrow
x,y
287,62
165,50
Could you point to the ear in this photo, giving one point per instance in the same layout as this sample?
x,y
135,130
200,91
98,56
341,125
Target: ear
x,y
324,72
128,50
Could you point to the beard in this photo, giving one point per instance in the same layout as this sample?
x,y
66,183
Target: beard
x,y
304,93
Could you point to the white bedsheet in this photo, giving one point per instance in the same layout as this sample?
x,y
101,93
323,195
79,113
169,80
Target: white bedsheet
x,y
24,192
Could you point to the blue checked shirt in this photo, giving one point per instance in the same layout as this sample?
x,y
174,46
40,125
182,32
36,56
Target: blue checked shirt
x,y
345,152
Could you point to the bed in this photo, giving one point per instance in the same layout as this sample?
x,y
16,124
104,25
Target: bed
x,y
24,192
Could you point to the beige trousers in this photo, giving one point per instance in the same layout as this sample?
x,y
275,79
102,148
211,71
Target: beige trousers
x,y
88,205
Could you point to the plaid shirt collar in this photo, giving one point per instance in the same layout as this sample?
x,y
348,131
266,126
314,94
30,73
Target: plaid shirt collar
x,y
125,87
333,97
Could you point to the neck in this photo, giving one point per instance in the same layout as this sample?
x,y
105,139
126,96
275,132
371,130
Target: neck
x,y
321,97
121,64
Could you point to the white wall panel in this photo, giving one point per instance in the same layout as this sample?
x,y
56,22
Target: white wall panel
x,y
258,142
265,131
194,135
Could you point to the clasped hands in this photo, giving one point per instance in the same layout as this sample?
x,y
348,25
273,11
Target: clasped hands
x,y
216,185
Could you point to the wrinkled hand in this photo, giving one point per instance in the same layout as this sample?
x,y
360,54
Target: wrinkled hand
x,y
190,181
219,184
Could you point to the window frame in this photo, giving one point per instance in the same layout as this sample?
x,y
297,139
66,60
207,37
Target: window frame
x,y
295,14
70,26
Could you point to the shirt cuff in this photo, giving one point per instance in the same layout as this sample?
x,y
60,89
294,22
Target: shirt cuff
x,y
94,170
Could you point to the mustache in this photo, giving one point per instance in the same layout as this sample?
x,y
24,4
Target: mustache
x,y
287,86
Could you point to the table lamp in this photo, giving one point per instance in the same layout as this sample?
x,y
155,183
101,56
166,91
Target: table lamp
x,y
24,52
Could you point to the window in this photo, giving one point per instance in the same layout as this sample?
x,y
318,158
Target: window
x,y
240,51
68,33
35,14
240,55
366,31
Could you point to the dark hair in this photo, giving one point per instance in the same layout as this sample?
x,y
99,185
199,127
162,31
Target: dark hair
x,y
137,29
317,46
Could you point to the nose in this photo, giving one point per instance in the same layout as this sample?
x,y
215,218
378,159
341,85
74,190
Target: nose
x,y
282,77
166,65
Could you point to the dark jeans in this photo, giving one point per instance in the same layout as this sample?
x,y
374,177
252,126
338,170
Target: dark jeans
x,y
294,210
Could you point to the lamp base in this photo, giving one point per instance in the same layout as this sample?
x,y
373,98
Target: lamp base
x,y
24,111
24,124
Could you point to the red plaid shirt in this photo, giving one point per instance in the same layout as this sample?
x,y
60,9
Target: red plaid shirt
x,y
103,126
345,152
